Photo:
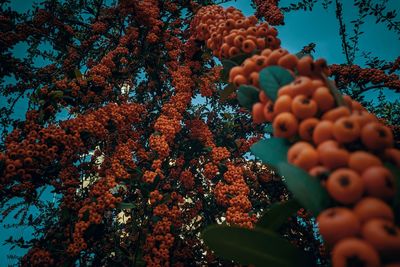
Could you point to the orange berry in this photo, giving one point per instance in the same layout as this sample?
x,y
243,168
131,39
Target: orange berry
x,y
275,56
379,182
249,46
254,79
345,186
337,223
288,61
323,131
306,129
336,113
383,235
285,125
354,252
333,158
376,136
361,160
346,130
269,111
303,107
369,208
305,66
257,112
239,80
303,155
283,104
324,99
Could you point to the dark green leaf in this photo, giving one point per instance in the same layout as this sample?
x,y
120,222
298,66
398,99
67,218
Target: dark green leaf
x,y
124,205
272,78
228,65
227,91
271,151
278,214
305,188
247,95
258,246
240,58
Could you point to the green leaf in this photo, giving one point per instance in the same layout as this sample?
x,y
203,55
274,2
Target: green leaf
x,y
247,95
396,201
278,214
257,246
305,188
227,91
240,58
228,65
124,205
271,151
272,78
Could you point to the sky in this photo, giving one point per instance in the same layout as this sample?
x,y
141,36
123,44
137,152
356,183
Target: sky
x,y
301,28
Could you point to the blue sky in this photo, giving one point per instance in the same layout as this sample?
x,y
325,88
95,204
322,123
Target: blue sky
x,y
319,26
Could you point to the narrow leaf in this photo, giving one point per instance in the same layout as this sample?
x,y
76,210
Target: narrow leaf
x,y
271,151
247,95
305,188
257,246
278,214
272,78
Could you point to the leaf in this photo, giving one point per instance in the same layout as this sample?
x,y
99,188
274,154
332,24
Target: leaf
x,y
240,58
271,151
247,95
228,65
227,91
125,205
272,78
305,188
278,214
257,246
396,201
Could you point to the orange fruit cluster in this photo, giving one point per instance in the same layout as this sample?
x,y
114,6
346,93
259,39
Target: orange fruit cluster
x,y
345,147
342,145
228,32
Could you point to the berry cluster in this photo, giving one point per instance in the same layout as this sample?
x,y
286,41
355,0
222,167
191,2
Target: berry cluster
x,y
340,143
228,32
269,10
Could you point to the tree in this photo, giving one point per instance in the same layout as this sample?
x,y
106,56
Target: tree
x,y
138,169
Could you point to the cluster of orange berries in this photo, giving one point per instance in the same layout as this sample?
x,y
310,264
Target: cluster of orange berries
x,y
159,242
346,74
269,10
343,145
228,32
37,257
187,179
233,193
